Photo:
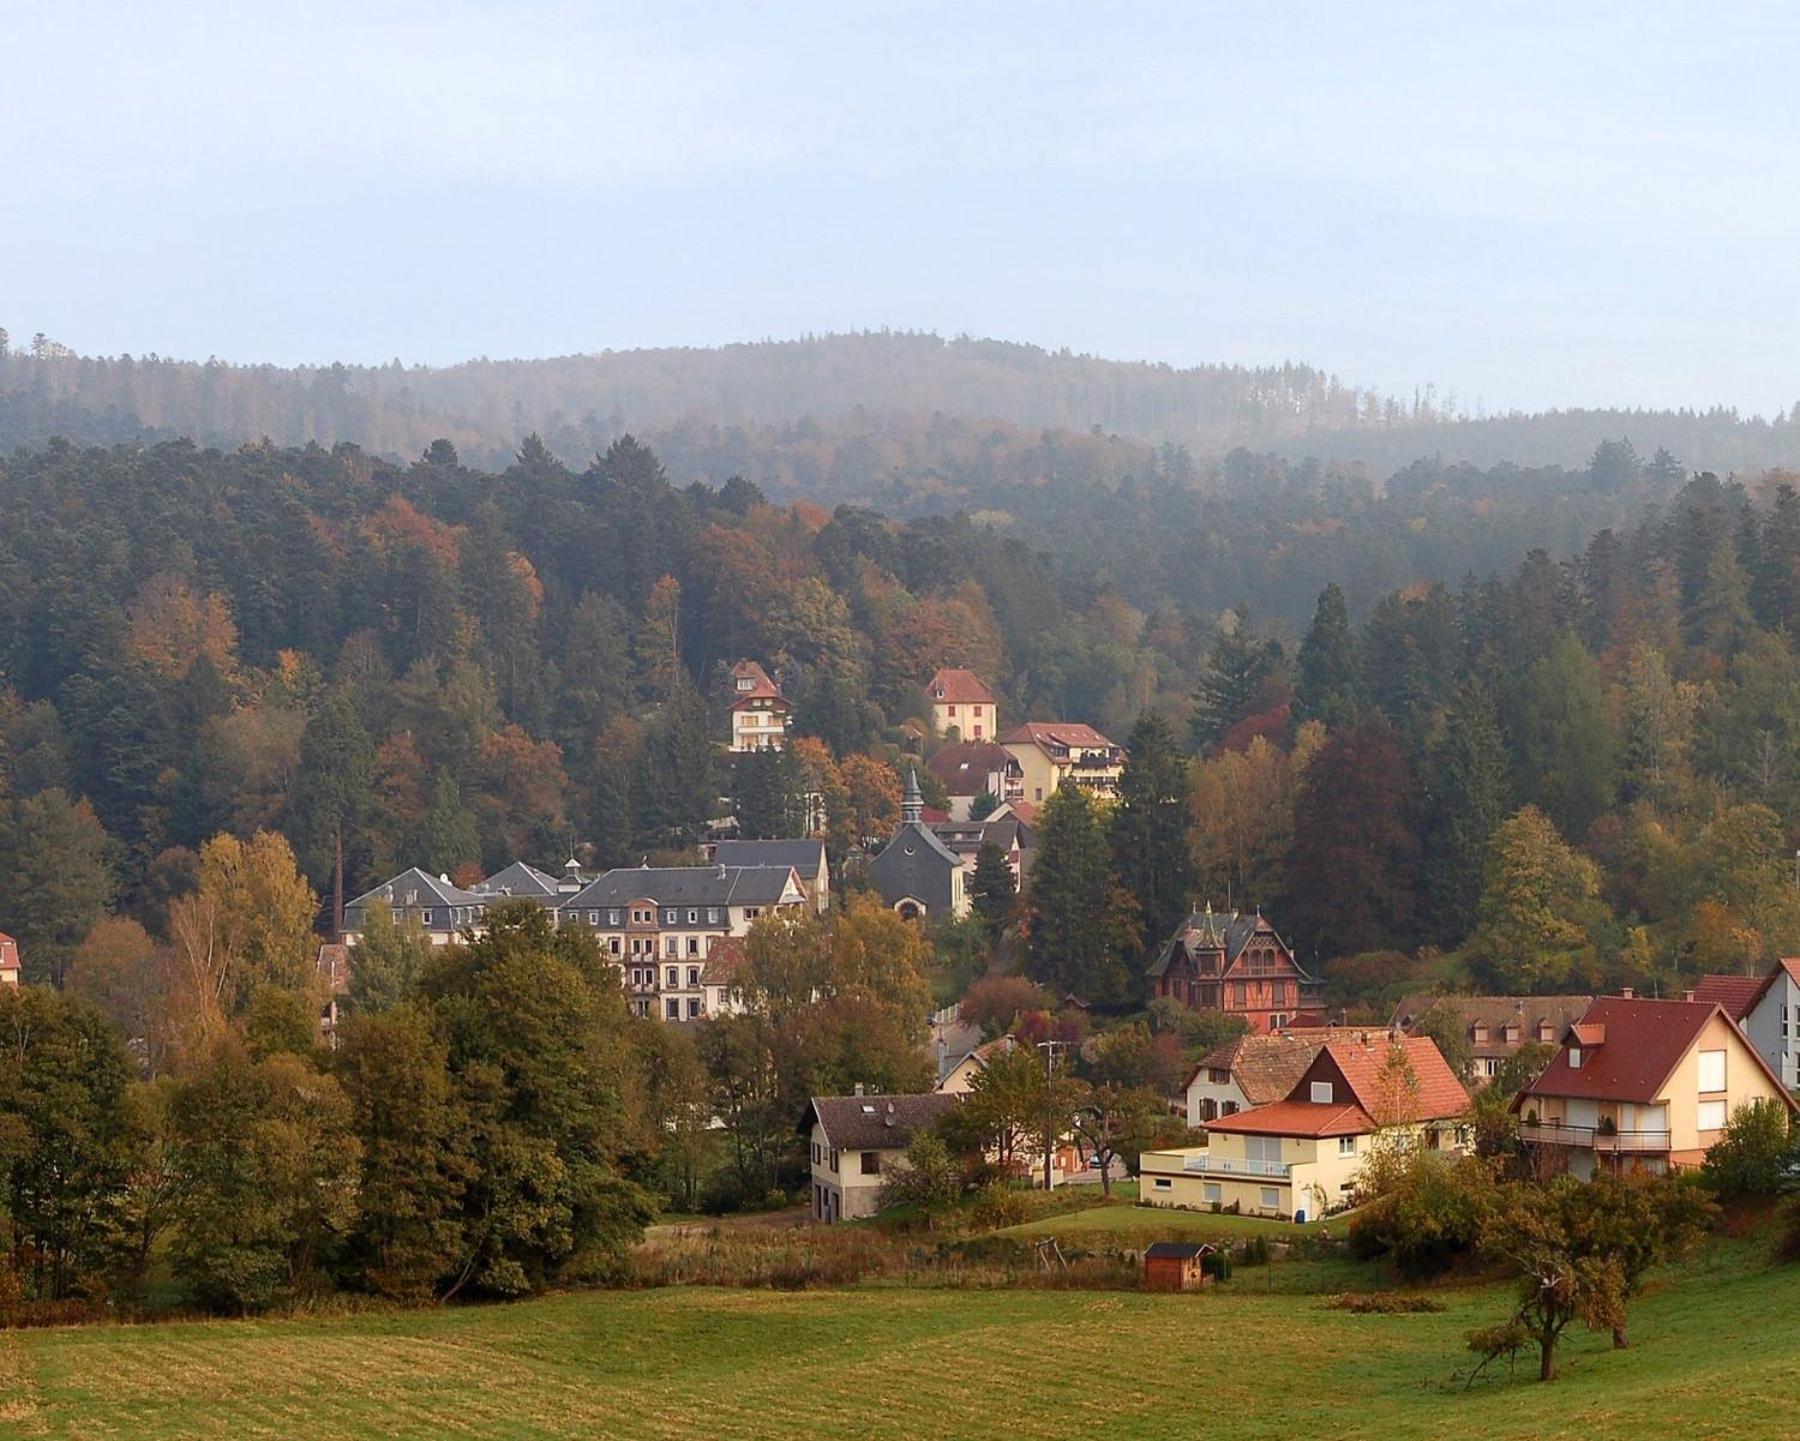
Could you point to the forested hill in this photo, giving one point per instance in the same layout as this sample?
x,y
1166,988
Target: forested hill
x,y
823,417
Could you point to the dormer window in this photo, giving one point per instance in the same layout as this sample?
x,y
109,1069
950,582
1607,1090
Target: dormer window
x,y
1481,1033
746,683
1547,1034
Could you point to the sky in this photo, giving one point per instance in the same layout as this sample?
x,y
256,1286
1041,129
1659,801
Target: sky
x,y
1524,205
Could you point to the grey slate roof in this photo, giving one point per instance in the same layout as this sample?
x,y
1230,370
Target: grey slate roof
x,y
1211,930
915,863
520,879
713,885
433,891
875,1123
805,856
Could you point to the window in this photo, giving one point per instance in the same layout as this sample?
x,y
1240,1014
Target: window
x,y
593,918
1346,1145
712,915
752,912
669,917
871,1163
693,975
1712,1115
1210,1192
693,945
1230,1108
613,945
816,1153
1574,1058
1712,1071
693,1008
1271,1198
1163,1183
1321,1093
674,977
951,710
427,918
674,947
612,918
1547,1034
834,1159
672,1010
693,917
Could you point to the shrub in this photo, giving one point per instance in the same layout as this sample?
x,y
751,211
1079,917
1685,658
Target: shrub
x,y
1752,1156
1256,1251
1216,1264
1383,1303
1430,1217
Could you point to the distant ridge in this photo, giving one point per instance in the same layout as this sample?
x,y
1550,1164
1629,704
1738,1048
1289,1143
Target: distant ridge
x,y
848,384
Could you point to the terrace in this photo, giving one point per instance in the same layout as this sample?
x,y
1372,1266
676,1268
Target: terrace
x,y
1601,1139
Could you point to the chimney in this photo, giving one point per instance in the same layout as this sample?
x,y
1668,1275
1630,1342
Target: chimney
x,y
1625,993
1687,995
859,1088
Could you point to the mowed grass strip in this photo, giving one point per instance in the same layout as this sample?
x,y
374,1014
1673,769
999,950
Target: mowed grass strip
x,y
1711,1356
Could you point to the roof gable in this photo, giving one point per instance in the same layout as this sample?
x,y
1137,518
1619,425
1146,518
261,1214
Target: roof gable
x,y
953,685
1630,1047
1360,1064
876,1123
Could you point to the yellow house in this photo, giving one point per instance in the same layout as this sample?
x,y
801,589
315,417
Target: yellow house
x,y
1299,1158
857,1141
962,706
1640,1082
1056,753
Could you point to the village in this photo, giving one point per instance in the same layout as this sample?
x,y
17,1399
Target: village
x,y
1278,1121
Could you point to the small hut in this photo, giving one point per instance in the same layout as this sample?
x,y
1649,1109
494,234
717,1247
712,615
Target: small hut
x,y
1175,1266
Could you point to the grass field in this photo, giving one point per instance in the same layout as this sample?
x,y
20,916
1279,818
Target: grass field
x,y
1133,1225
1713,1355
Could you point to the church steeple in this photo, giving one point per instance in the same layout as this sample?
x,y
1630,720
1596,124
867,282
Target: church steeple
x,y
912,800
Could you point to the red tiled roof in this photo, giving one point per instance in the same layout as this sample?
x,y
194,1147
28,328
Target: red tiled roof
x,y
1639,1043
9,952
1362,1061
1298,1118
762,688
723,960
959,687
1266,1068
1735,995
1068,734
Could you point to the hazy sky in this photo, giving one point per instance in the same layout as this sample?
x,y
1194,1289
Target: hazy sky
x,y
1543,204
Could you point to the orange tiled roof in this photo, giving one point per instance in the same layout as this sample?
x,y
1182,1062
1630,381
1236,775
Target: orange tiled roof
x,y
1362,1062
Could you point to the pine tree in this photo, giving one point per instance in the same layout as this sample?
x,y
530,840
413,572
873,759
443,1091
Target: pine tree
x,y
337,767
1238,669
1327,681
1566,742
1471,795
1151,859
991,888
767,798
1353,877
1080,934
1775,588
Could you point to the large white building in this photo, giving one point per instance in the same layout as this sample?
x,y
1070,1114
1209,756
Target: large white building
x,y
658,925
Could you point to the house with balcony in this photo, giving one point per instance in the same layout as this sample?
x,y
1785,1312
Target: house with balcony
x,y
1768,1009
1299,1158
1641,1082
1052,754
759,711
1240,965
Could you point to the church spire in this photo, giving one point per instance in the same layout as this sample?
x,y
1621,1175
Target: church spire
x,y
912,801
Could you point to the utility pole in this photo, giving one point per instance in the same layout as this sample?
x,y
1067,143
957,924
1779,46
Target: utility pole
x,y
1049,1050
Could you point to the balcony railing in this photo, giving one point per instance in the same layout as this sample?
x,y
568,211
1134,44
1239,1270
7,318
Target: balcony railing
x,y
1592,1138
1227,1166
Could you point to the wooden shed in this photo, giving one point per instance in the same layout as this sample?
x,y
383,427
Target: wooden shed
x,y
1174,1266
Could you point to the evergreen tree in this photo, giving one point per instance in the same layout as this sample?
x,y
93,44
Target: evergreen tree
x,y
991,888
768,800
1082,930
1235,683
1353,874
1151,859
1566,742
337,768
1327,680
1775,588
1471,796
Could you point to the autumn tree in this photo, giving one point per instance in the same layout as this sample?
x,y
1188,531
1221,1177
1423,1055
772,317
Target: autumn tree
x,y
1538,908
